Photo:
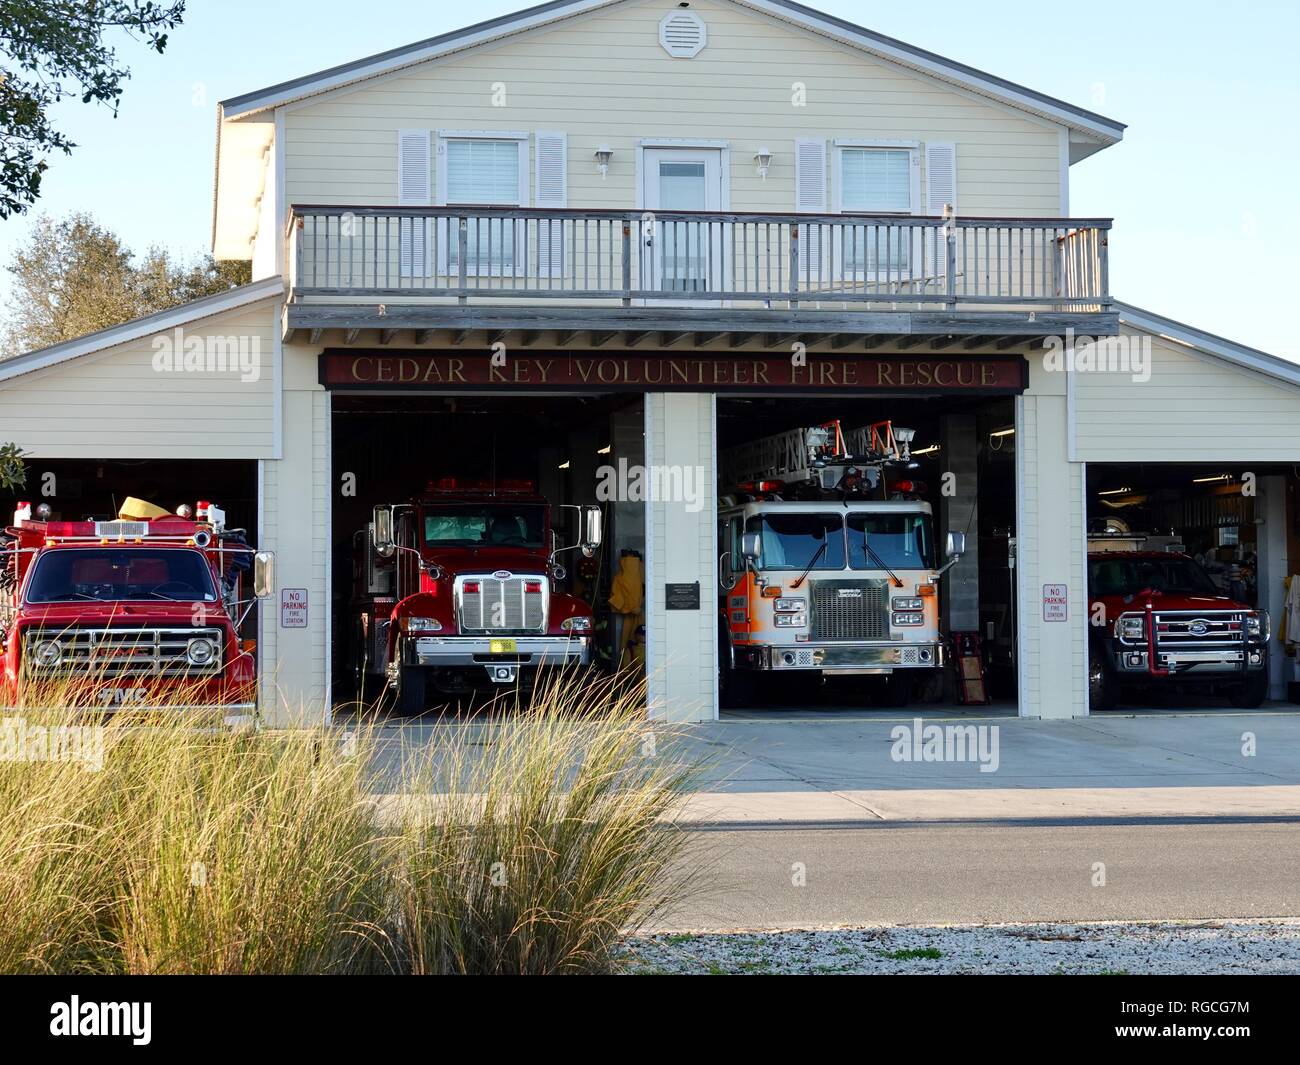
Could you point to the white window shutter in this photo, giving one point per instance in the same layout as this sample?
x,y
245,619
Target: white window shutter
x,y
940,195
552,194
414,179
810,198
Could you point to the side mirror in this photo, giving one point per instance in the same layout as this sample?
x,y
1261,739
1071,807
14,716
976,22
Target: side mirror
x,y
956,544
749,546
592,527
381,531
263,575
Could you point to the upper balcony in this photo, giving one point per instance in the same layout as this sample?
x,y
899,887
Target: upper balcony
x,y
880,277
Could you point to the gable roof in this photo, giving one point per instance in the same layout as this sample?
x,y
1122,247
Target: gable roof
x,y
1208,343
1094,131
42,358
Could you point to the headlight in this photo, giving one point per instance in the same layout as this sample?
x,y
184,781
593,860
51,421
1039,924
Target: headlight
x,y
909,619
201,652
791,621
907,604
789,606
1131,628
422,624
579,624
48,653
1258,624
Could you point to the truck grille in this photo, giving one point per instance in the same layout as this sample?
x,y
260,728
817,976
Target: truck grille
x,y
850,610
1189,630
502,604
124,652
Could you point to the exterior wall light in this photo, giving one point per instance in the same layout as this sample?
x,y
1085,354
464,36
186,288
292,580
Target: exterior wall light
x,y
603,155
763,160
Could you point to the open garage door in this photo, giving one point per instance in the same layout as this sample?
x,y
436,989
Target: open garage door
x,y
843,596
1187,574
504,558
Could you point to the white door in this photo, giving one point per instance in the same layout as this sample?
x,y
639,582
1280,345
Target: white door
x,y
683,255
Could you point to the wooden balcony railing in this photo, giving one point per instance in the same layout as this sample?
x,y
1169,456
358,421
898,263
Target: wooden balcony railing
x,y
472,254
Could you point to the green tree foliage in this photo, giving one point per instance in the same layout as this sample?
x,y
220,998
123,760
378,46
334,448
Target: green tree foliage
x,y
74,277
53,50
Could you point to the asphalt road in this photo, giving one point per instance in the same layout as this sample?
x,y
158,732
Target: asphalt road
x,y
873,873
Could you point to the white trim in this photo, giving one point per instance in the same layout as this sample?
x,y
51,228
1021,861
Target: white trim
x,y
277,392
647,517
1071,420
1021,633
713,532
1065,172
263,606
681,142
197,310
280,213
872,142
327,610
914,173
482,134
1086,613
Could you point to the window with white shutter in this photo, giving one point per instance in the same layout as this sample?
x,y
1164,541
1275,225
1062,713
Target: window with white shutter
x,y
552,193
940,196
810,198
482,171
414,177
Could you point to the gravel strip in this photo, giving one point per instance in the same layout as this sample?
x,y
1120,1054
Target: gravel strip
x,y
1271,946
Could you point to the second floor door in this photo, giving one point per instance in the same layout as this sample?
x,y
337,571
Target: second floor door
x,y
682,254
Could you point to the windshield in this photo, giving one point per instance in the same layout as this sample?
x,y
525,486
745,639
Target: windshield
x,y
897,541
796,541
105,575
1128,576
485,525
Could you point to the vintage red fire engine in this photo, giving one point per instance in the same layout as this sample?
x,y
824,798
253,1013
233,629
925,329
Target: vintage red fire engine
x,y
141,611
458,589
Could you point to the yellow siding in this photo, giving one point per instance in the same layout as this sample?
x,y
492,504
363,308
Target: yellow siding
x,y
603,78
1193,409
116,404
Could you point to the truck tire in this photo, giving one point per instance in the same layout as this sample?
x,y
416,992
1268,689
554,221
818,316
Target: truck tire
x,y
735,686
1103,687
898,689
1250,692
410,690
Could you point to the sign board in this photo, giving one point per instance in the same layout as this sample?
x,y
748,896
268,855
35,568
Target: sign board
x,y
1056,602
293,608
682,596
667,371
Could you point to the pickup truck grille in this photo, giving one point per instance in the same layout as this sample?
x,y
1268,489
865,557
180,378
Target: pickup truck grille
x,y
123,652
1189,630
850,610
502,604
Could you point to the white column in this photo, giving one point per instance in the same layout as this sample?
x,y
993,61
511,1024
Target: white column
x,y
1051,549
682,645
295,525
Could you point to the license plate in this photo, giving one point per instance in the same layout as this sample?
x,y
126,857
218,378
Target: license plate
x,y
121,696
501,647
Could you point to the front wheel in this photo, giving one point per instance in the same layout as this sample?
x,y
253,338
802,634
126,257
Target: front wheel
x,y
1251,692
411,682
898,689
1103,688
735,686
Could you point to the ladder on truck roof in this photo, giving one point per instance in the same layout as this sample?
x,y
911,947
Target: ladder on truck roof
x,y
804,454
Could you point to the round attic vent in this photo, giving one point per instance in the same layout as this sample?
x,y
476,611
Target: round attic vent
x,y
683,34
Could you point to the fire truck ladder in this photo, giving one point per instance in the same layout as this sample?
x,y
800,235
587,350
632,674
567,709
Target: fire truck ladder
x,y
804,454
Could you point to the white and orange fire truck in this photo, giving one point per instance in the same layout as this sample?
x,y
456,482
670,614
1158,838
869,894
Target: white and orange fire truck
x,y
141,611
827,560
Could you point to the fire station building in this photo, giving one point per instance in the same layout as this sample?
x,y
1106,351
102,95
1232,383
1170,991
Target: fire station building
x,y
601,244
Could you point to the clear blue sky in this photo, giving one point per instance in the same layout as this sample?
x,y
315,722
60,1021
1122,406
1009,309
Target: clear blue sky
x,y
1202,189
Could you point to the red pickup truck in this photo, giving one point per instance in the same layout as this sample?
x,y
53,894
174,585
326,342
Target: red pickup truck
x,y
1160,622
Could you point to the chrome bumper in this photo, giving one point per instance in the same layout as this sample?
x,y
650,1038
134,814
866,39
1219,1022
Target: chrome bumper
x,y
528,651
1192,663
841,659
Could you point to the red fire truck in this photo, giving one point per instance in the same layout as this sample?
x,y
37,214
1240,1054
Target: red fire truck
x,y
141,611
458,588
1161,623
